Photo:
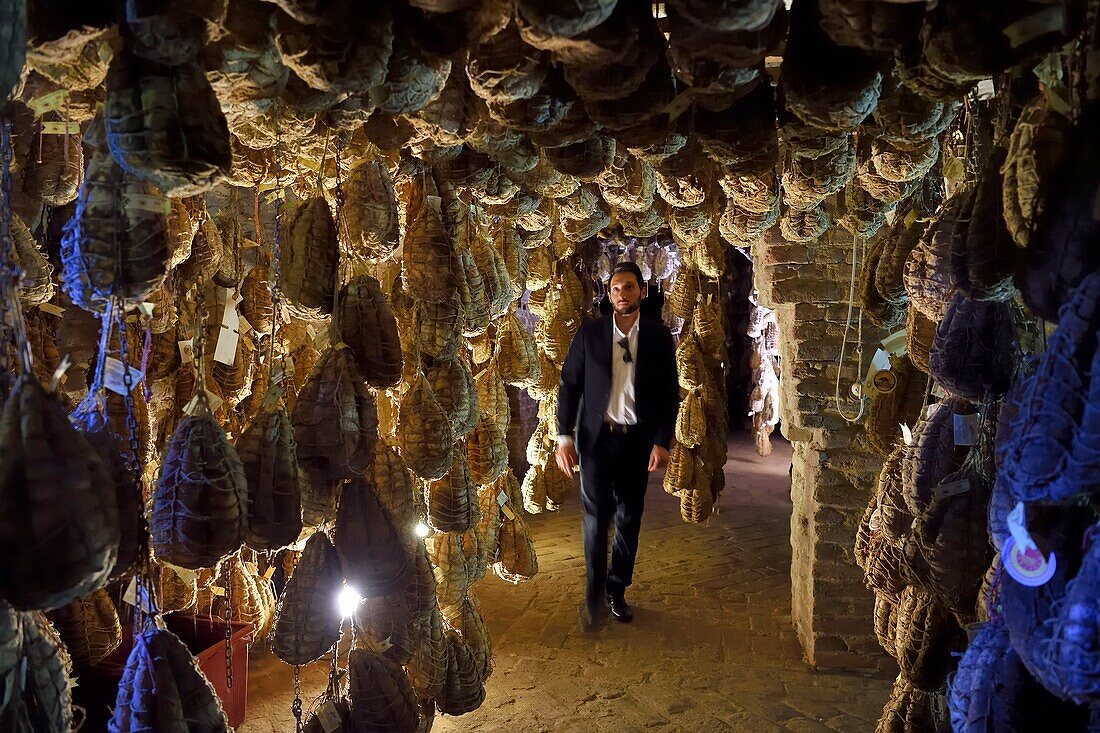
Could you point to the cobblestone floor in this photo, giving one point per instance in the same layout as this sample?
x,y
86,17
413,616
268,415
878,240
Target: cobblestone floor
x,y
711,647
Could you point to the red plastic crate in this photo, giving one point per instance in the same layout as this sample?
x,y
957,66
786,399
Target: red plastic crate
x,y
204,637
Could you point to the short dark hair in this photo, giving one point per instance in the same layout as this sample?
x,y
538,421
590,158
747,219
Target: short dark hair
x,y
633,269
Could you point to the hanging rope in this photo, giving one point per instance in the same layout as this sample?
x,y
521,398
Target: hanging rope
x,y
273,278
857,244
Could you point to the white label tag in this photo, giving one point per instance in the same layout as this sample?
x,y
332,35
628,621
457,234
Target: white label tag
x,y
61,127
230,318
225,352
214,401
48,102
436,204
53,310
951,489
59,376
187,351
131,596
937,391
906,434
243,326
187,576
114,376
966,429
329,717
379,647
1017,527
680,104
880,362
985,89
309,164
879,378
146,308
502,498
895,343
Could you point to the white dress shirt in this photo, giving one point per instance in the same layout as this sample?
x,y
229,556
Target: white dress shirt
x,y
620,405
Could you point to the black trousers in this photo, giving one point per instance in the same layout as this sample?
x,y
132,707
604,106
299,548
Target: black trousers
x,y
613,485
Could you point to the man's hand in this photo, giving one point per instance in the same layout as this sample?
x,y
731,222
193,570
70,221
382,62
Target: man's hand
x,y
566,456
658,458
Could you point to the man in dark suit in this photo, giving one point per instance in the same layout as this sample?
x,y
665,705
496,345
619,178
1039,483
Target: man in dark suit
x,y
619,392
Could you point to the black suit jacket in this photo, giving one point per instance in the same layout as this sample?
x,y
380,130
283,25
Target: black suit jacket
x,y
585,387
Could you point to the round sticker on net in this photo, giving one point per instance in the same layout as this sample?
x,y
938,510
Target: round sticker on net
x,y
1030,566
884,381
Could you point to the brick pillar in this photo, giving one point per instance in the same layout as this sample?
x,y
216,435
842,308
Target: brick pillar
x,y
834,470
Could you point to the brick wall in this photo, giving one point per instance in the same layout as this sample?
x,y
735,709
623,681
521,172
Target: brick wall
x,y
834,470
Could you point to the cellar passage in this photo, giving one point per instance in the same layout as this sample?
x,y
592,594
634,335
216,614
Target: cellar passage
x,y
304,304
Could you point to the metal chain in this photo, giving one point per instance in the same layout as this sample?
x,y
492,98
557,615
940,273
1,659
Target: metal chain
x,y
10,272
146,348
5,251
134,462
228,629
338,191
296,706
203,313
334,672
5,189
145,587
273,279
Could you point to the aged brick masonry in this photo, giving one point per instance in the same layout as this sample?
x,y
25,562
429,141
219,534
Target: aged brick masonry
x,y
834,470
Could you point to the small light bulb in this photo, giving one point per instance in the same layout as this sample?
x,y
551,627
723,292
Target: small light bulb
x,y
422,530
347,600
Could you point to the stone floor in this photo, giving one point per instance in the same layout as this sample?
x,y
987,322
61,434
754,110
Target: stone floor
x,y
711,647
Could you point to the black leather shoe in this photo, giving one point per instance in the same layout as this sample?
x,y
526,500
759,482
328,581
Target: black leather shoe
x,y
620,609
